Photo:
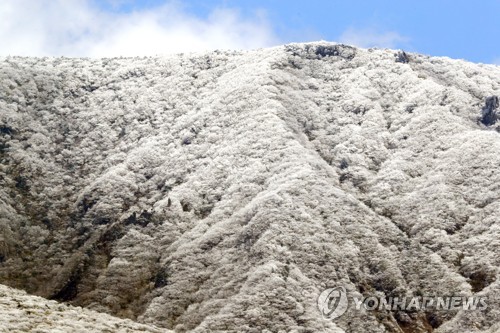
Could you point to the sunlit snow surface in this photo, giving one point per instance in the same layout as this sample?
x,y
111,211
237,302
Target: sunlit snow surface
x,y
225,191
20,312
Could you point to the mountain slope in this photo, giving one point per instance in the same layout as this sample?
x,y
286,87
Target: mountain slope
x,y
23,313
226,191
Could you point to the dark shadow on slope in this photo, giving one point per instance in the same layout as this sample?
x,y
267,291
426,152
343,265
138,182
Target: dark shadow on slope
x,y
160,279
478,276
6,130
416,322
489,112
142,220
84,259
70,290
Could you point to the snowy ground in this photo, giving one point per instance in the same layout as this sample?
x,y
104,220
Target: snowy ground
x,y
20,312
225,191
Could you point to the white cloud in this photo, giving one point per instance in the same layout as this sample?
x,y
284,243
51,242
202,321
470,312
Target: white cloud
x,y
77,28
371,37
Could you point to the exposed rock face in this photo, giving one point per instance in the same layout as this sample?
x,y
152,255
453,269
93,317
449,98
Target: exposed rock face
x,y
226,191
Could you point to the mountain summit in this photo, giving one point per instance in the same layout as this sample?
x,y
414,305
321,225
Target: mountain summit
x,y
225,192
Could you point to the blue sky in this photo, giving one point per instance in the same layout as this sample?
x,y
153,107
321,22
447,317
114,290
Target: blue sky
x,y
458,29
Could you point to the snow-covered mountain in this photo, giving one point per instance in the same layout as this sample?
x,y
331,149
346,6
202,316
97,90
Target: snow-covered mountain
x,y
225,191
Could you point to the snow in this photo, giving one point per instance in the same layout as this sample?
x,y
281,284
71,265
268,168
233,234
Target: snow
x,y
20,312
225,191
